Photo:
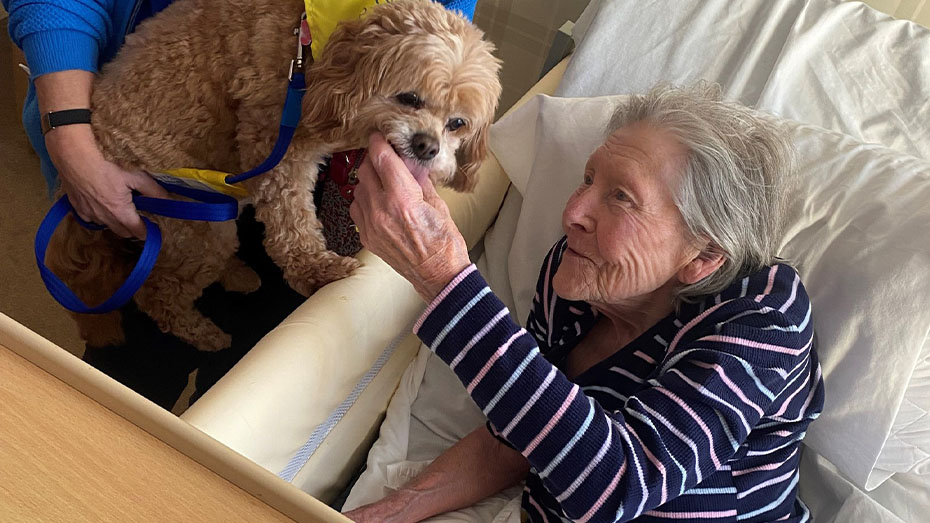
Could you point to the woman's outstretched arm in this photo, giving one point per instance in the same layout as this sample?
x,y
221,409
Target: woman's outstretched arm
x,y
476,467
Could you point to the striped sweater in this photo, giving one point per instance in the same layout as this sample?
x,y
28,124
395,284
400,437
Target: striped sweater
x,y
700,418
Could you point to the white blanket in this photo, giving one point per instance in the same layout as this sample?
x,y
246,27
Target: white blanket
x,y
416,430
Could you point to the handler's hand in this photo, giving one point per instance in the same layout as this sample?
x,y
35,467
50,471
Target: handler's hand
x,y
100,191
402,219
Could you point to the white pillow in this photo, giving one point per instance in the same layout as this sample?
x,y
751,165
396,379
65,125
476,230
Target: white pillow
x,y
626,46
859,234
850,68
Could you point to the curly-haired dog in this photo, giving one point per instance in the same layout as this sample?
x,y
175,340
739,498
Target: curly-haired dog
x,y
202,85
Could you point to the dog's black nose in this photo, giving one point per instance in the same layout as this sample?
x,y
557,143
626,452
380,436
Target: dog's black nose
x,y
424,146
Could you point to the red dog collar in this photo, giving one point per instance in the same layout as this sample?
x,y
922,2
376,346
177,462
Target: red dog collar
x,y
343,170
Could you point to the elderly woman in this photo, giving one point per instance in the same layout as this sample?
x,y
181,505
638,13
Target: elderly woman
x,y
667,371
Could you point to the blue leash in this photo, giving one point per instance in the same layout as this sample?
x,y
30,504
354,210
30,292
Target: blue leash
x,y
209,206
289,119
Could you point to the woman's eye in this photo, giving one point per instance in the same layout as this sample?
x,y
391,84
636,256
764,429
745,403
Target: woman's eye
x,y
621,196
455,124
410,100
588,179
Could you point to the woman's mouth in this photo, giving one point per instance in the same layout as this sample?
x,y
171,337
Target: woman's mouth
x,y
573,252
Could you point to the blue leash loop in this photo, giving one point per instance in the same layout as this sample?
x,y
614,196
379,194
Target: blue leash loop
x,y
209,206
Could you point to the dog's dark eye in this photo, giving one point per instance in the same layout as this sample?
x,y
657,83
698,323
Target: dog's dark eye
x,y
410,100
455,124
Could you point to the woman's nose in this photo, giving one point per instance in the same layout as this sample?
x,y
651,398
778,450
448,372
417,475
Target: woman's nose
x,y
577,214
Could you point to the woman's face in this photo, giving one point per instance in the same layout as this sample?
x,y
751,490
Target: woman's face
x,y
626,237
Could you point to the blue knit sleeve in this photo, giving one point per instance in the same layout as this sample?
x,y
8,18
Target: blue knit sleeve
x,y
466,7
60,35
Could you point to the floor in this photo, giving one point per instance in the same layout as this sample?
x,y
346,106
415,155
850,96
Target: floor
x,y
23,203
520,29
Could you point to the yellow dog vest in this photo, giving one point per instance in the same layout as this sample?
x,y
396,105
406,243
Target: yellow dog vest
x,y
324,15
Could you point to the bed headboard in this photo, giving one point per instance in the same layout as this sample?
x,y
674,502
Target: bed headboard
x,y
913,10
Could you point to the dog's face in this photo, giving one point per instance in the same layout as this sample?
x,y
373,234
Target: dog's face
x,y
420,75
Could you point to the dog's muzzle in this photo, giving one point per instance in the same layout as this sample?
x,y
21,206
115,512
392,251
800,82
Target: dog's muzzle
x,y
424,146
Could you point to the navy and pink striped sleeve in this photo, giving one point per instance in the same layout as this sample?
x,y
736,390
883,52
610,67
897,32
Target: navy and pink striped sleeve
x,y
614,466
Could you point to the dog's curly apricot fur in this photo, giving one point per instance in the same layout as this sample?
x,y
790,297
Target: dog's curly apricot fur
x,y
202,85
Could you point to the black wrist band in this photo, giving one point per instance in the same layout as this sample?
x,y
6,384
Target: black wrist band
x,y
68,117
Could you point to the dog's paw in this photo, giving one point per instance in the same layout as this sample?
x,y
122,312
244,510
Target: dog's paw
x,y
217,342
240,278
339,267
101,330
324,268
207,337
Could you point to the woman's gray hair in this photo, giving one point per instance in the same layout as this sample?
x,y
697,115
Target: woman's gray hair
x,y
734,185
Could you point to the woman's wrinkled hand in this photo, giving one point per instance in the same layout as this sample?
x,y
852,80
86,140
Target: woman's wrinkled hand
x,y
403,220
100,191
366,514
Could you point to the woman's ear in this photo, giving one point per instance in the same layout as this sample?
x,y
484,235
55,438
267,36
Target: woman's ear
x,y
702,265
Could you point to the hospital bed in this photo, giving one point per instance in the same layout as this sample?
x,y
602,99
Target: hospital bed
x,y
307,402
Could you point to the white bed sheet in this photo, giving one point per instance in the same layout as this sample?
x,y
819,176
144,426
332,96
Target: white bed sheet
x,y
833,499
429,412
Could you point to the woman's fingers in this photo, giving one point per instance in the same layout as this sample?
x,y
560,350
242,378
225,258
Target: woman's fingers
x,y
114,203
392,172
359,216
403,221
361,203
109,216
358,210
91,211
368,176
101,192
429,192
379,156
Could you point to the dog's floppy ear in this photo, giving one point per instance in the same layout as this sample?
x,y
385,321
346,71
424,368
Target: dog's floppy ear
x,y
469,157
348,72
